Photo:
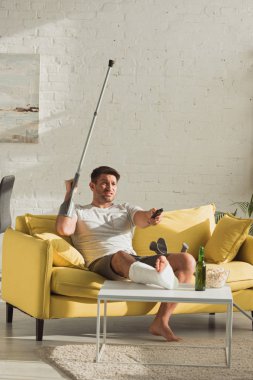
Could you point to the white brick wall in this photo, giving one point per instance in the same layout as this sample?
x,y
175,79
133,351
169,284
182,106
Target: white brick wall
x,y
176,118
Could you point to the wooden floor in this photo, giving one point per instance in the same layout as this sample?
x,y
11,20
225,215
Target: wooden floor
x,y
19,357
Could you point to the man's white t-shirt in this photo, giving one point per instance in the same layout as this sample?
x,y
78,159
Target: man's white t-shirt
x,y
104,231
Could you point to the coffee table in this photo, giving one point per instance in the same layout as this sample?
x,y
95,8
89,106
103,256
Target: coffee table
x,y
185,293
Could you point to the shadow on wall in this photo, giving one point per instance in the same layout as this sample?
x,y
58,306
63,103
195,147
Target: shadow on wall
x,y
40,169
39,15
37,167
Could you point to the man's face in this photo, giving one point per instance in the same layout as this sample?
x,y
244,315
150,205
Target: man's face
x,y
104,189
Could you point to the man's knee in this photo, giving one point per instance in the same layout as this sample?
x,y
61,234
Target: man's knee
x,y
182,262
184,266
189,263
121,262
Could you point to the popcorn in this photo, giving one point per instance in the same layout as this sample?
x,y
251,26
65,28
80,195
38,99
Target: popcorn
x,y
216,277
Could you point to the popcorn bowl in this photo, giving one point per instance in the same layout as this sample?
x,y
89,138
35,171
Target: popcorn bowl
x,y
216,277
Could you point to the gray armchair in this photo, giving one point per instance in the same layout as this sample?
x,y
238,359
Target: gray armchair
x,y
6,187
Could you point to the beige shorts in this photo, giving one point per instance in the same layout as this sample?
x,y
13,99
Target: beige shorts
x,y
103,266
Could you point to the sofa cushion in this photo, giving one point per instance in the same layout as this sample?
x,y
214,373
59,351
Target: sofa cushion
x,y
240,274
193,226
64,254
83,283
226,240
21,225
76,282
246,251
38,224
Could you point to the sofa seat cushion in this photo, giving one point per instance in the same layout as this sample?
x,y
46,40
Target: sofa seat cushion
x,y
240,274
83,283
76,282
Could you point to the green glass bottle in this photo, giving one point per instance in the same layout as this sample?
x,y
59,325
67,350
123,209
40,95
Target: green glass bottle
x,y
200,272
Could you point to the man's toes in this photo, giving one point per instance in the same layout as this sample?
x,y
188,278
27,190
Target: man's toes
x,y
157,265
161,263
163,260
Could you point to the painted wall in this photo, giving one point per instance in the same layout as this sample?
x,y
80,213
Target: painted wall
x,y
176,118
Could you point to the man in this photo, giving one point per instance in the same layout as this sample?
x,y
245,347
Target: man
x,y
102,231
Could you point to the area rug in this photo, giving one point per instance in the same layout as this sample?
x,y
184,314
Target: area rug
x,y
78,361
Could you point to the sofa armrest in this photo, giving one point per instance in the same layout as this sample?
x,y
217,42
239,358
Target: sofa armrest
x,y
246,251
26,273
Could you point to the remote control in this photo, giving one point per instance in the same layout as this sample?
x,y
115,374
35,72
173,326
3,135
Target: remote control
x,y
157,213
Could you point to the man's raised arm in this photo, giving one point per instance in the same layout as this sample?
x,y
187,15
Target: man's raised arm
x,y
65,225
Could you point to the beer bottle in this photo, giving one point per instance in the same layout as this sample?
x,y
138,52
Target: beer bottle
x,y
200,272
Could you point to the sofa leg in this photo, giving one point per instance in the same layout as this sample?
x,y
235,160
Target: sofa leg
x,y
39,329
211,321
9,313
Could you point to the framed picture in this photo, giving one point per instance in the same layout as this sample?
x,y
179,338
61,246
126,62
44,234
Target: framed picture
x,y
19,98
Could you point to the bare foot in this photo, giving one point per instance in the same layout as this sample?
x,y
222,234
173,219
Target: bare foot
x,y
158,328
161,263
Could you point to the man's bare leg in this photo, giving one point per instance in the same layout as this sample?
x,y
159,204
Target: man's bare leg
x,y
184,271
160,325
183,266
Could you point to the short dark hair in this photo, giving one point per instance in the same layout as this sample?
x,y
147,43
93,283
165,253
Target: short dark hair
x,y
103,170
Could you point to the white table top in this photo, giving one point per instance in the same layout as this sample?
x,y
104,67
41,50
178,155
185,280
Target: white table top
x,y
130,291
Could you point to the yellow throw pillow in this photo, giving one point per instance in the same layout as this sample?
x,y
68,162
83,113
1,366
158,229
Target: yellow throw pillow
x,y
227,238
245,253
64,254
38,224
193,226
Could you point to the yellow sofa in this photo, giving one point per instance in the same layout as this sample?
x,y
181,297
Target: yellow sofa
x,y
39,281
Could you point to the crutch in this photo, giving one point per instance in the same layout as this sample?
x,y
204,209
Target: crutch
x,y
67,207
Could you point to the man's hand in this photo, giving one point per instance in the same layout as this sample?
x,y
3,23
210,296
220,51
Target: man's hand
x,y
144,218
153,221
68,184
